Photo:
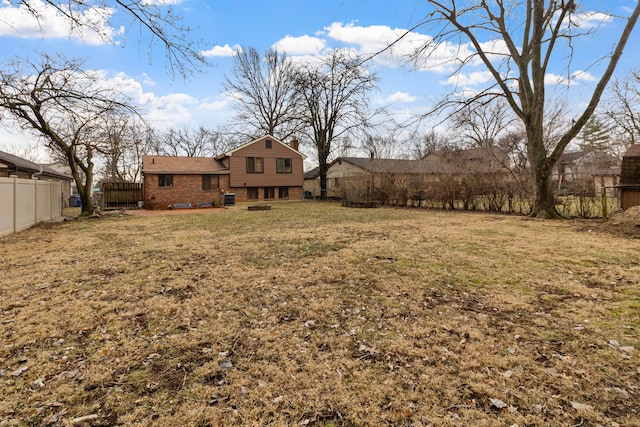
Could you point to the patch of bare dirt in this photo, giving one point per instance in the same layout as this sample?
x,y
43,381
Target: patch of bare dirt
x,y
624,223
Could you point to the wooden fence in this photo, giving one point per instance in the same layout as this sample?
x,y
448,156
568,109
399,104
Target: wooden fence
x,y
26,202
121,195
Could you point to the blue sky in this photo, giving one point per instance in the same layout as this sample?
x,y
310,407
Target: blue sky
x,y
302,28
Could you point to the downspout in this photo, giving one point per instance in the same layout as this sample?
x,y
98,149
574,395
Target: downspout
x,y
37,174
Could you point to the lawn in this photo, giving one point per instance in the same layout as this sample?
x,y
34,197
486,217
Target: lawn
x,y
320,315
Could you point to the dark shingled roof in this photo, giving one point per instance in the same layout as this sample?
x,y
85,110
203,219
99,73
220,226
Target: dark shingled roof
x,y
630,168
633,151
312,174
430,165
28,166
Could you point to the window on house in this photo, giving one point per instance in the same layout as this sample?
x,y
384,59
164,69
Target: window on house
x,y
252,193
283,165
210,182
283,193
267,143
165,180
255,164
269,193
336,182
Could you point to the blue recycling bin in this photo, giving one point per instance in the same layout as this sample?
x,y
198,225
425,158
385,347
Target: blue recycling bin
x,y
75,202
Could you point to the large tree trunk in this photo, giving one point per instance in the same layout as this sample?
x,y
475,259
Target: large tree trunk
x,y
84,186
323,156
86,197
323,182
540,168
544,200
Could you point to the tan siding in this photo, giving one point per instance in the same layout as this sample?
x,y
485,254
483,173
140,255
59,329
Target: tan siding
x,y
312,186
345,172
269,178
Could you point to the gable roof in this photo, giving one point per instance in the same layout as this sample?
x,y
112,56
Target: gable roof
x,y
182,165
429,165
18,163
572,156
230,152
312,174
633,151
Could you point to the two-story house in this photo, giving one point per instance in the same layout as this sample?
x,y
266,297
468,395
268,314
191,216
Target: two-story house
x,y
264,169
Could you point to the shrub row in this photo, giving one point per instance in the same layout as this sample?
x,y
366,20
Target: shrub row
x,y
472,192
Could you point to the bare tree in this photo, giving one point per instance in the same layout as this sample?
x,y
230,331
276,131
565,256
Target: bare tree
x,y
156,21
27,152
265,94
480,122
430,142
514,143
126,141
623,107
529,33
379,146
334,95
189,142
64,105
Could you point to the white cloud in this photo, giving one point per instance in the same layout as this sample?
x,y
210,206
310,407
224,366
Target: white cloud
x,y
221,51
303,45
395,47
401,97
173,109
588,20
470,79
584,76
50,23
169,110
146,79
576,77
214,105
371,39
375,39
220,103
161,2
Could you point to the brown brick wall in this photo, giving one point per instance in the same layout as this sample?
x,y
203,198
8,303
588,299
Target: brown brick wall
x,y
185,189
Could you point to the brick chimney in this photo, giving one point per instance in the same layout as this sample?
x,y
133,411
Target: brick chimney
x,y
294,144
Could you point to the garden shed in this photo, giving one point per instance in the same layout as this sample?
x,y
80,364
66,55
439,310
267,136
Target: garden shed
x,y
630,178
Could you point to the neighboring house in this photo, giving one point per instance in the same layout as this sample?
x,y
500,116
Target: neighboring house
x,y
607,179
312,183
63,168
630,178
14,166
263,169
584,169
362,177
476,160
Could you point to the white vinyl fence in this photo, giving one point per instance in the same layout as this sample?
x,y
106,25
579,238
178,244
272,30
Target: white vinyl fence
x,y
25,202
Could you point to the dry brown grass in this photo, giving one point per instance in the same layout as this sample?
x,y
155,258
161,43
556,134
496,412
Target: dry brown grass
x,y
315,314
